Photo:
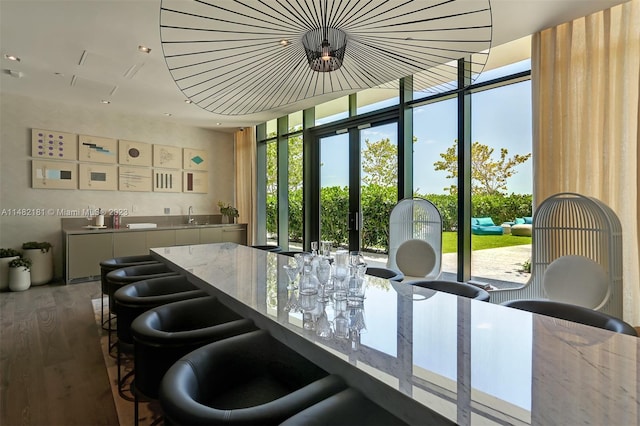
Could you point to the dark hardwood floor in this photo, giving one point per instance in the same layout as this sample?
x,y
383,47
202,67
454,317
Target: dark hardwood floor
x,y
51,367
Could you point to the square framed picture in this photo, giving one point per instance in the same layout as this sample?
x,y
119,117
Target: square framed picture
x,y
134,179
195,182
47,174
97,150
98,177
195,159
54,145
167,180
169,157
132,153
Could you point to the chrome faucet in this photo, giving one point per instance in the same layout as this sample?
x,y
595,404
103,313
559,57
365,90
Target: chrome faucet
x,y
190,219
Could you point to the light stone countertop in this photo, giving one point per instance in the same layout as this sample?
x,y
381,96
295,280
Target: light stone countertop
x,y
434,358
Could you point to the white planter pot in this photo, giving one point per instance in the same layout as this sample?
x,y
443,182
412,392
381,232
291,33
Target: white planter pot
x,y
41,265
4,272
19,278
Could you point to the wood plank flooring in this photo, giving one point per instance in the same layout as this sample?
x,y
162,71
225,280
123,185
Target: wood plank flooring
x,y
51,367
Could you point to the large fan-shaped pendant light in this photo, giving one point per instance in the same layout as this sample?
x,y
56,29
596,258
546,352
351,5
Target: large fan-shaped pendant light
x,y
239,57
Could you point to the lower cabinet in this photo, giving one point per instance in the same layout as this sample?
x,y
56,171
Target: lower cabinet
x,y
84,251
87,251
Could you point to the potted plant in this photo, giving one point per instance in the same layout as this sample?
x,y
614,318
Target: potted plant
x,y
6,256
41,256
19,274
229,213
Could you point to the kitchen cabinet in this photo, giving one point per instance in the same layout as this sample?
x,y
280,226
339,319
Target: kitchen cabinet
x,y
87,251
84,250
185,237
130,243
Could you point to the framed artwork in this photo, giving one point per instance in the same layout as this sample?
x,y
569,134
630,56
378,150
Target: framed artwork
x,y
54,174
195,159
167,180
195,182
97,150
54,145
134,179
134,153
169,157
99,177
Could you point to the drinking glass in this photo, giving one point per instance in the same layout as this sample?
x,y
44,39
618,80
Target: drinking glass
x,y
292,273
324,274
323,325
314,248
292,303
340,273
325,249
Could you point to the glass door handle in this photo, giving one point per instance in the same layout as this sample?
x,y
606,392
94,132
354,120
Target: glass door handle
x,y
353,221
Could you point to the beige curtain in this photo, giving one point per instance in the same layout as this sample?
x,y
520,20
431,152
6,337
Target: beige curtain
x,y
585,83
246,194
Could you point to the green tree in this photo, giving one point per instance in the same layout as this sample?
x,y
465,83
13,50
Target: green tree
x,y
380,163
294,166
488,176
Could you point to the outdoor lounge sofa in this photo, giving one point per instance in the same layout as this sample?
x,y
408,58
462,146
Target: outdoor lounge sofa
x,y
484,226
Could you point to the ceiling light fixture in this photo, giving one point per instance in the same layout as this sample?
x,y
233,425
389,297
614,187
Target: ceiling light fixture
x,y
325,48
168,114
231,60
11,57
144,49
104,101
188,101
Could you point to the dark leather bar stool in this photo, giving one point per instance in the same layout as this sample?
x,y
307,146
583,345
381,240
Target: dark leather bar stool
x,y
120,277
109,265
575,313
164,334
268,247
346,408
387,273
250,379
454,287
136,298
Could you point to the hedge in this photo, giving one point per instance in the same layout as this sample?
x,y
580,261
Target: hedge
x,y
377,203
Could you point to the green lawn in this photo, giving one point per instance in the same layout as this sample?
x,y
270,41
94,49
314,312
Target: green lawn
x,y
481,242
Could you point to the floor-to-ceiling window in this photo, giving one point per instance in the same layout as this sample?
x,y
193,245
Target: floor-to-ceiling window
x,y
499,119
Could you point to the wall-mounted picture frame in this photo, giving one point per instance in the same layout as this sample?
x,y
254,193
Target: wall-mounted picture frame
x,y
195,159
97,150
132,153
54,145
168,157
98,177
49,174
167,180
197,182
134,179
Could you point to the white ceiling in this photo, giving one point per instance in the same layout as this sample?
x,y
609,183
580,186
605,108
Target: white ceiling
x,y
83,51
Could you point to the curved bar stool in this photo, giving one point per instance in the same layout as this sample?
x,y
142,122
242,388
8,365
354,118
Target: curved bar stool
x,y
269,247
250,379
575,313
164,334
109,265
386,273
136,298
120,277
454,287
345,408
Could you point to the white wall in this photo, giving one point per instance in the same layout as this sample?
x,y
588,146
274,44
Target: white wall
x,y
18,115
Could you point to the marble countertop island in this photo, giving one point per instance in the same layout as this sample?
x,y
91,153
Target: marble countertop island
x,y
431,357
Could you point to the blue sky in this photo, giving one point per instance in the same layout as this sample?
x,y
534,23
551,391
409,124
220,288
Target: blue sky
x,y
501,118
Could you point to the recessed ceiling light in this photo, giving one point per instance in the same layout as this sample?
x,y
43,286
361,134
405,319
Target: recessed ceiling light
x,y
11,57
59,74
284,42
104,101
218,124
188,101
168,114
144,49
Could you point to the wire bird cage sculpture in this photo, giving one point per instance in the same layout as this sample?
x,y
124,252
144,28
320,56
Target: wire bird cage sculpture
x,y
576,255
412,223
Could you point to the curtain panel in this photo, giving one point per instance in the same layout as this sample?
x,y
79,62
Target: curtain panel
x,y
586,97
246,192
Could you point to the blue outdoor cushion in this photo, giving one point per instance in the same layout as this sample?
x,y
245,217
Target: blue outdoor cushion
x,y
519,221
485,221
528,219
474,221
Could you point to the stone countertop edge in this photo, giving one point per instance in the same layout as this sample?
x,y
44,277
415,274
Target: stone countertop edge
x,y
73,231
